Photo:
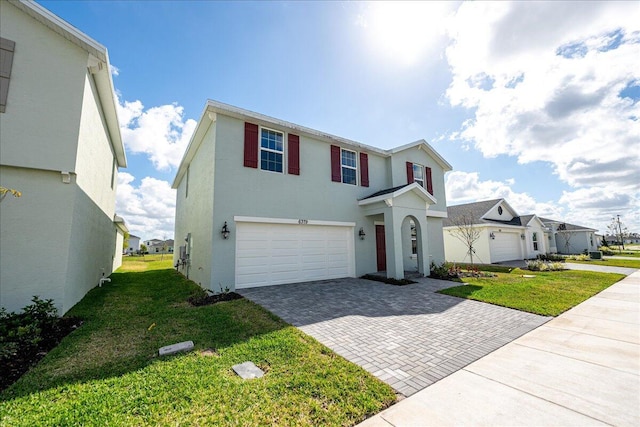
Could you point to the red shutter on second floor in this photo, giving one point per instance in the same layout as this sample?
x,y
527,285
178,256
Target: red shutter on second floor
x,y
409,173
250,145
336,174
429,181
294,154
364,169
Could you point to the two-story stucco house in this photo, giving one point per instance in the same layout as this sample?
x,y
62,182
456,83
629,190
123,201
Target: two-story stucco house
x,y
261,201
60,145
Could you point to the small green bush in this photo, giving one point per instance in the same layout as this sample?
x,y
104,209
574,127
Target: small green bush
x,y
556,266
580,257
551,257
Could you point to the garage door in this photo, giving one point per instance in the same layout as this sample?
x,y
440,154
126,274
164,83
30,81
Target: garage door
x,y
273,254
505,247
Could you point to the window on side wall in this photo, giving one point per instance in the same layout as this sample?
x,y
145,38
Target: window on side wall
x,y
418,174
271,150
414,239
535,241
349,166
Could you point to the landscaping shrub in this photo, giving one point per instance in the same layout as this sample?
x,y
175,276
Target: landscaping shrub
x,y
551,257
26,337
539,265
556,266
580,257
606,251
452,271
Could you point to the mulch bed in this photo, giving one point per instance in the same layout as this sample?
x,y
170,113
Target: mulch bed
x,y
389,281
200,300
12,369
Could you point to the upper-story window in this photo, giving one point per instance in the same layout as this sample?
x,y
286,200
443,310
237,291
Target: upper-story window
x,y
271,150
349,166
418,174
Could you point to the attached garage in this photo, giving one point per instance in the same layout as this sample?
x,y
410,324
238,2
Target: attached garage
x,y
505,247
276,251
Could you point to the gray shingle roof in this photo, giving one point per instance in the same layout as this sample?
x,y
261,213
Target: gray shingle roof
x,y
475,211
568,227
385,191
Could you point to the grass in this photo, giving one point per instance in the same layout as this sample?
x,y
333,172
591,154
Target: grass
x,y
108,373
548,293
612,262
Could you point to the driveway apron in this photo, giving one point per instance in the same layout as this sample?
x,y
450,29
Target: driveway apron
x,y
408,336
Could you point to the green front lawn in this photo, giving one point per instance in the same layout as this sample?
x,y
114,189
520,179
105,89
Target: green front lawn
x,y
108,372
549,293
629,263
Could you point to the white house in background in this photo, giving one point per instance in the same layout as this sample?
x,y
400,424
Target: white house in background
x,y
261,201
568,238
160,246
61,147
503,234
134,244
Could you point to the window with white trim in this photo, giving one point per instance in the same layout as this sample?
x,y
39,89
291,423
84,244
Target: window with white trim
x,y
534,237
349,166
271,150
414,239
418,174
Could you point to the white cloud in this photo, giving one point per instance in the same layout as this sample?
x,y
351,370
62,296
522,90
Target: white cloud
x,y
544,81
161,132
149,208
466,187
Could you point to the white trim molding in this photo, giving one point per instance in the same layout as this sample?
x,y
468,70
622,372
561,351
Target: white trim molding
x,y
300,221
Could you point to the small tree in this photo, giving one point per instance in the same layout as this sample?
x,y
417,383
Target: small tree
x,y
618,229
565,237
143,249
164,248
465,231
125,242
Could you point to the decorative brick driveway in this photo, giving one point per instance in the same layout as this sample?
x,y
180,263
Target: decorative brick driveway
x,y
408,336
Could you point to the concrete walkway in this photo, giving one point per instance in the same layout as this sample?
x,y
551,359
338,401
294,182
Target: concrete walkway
x,y
581,368
601,268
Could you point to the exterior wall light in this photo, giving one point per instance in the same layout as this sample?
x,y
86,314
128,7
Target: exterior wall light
x,y
225,231
522,236
492,235
361,233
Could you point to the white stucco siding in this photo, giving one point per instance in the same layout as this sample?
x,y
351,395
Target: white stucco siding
x,y
95,168
436,240
506,215
45,95
35,234
243,191
456,250
543,242
194,211
577,243
417,155
117,256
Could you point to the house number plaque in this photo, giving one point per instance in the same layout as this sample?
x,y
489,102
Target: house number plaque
x,y
303,221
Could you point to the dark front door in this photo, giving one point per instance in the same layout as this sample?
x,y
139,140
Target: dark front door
x,y
381,251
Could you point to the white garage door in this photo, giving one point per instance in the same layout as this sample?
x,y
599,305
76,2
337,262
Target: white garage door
x,y
273,254
505,247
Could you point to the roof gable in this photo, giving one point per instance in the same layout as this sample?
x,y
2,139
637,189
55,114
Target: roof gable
x,y
477,213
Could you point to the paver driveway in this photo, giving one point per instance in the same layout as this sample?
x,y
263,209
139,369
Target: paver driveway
x,y
408,336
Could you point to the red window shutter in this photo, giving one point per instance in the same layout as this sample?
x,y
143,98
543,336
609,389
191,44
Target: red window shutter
x,y
429,181
294,154
409,173
364,169
336,173
250,145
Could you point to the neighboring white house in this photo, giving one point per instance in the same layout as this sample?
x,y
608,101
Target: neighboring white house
x,y
61,147
156,246
134,244
570,238
503,235
262,201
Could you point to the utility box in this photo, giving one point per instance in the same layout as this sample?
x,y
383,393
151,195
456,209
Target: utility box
x,y
595,255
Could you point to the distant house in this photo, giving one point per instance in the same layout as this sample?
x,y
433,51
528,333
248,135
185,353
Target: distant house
x,y
568,238
160,246
61,147
503,235
134,244
262,201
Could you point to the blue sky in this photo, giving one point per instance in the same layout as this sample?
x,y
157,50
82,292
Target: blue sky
x,y
534,102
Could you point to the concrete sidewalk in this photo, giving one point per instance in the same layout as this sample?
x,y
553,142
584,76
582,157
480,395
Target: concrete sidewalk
x,y
581,368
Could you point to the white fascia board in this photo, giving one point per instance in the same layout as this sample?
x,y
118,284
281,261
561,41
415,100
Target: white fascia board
x,y
424,145
242,114
417,188
436,214
263,220
497,227
501,201
62,28
119,222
